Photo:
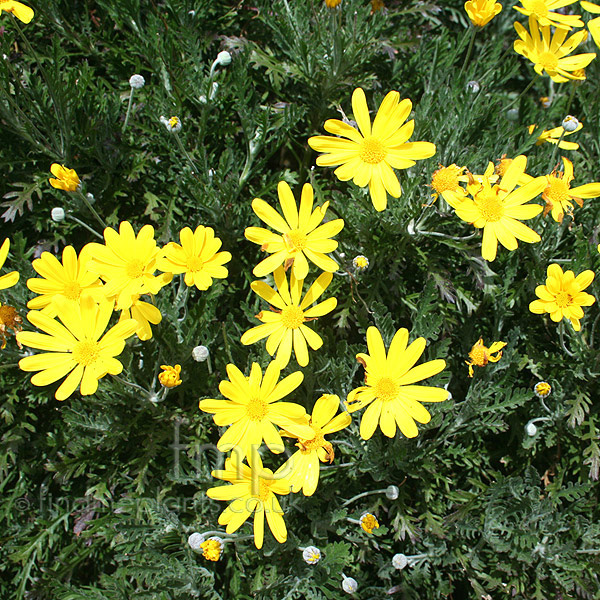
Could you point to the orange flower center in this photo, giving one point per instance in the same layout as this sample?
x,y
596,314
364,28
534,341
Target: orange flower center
x,y
86,352
261,488
444,179
372,151
72,290
134,268
548,60
8,315
557,190
386,389
256,409
194,263
489,205
294,240
479,355
292,317
563,299
308,446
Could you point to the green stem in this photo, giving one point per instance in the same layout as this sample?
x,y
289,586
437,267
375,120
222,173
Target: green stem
x,y
91,209
80,222
185,152
522,93
128,111
571,96
472,33
555,151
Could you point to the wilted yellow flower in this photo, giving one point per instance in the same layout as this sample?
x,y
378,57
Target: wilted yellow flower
x,y
480,355
563,295
8,279
9,319
369,522
558,194
370,154
66,179
169,378
481,12
446,178
541,10
553,136
550,55
21,11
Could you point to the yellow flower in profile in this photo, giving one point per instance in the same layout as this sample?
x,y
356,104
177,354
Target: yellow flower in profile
x,y
563,295
303,465
480,354
212,548
389,392
197,257
370,154
284,325
66,179
550,55
558,194
446,178
145,314
593,24
21,11
555,136
169,377
369,522
8,279
300,235
481,12
253,409
68,279
498,209
75,348
127,263
332,3
9,319
541,10
253,491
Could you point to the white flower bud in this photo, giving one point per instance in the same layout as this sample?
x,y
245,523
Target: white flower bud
x,y
360,262
137,82
392,492
213,90
223,58
399,561
473,86
512,114
570,123
530,429
57,214
90,198
200,353
173,124
349,585
311,555
195,540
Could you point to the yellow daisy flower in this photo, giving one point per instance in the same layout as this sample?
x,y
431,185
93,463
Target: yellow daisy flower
x,y
369,522
66,179
555,136
541,10
300,236
8,279
253,490
370,154
127,263
498,209
21,11
480,354
169,377
558,194
563,295
212,548
593,24
75,347
253,409
389,390
145,314
550,55
68,279
303,465
502,167
285,327
481,12
197,257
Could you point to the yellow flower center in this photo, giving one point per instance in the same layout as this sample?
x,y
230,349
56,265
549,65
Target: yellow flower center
x,y
8,316
557,190
369,522
479,355
548,60
174,121
490,206
563,299
386,389
542,389
86,352
294,240
194,263
256,410
372,151
539,8
292,317
72,290
444,179
211,549
134,268
261,489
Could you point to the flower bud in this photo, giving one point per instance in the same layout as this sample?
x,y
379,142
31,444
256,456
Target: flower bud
x,y
137,82
473,86
512,114
349,585
195,540
311,555
570,123
530,429
223,58
200,353
360,262
57,214
392,492
399,561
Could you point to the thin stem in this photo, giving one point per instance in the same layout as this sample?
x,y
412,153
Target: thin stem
x,y
189,158
91,208
469,51
555,151
128,111
135,386
93,231
522,93
571,96
362,495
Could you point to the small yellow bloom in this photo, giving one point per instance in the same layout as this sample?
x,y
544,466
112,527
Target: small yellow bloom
x,y
377,5
542,389
563,295
360,262
369,522
545,101
541,10
556,136
8,279
446,178
480,355
66,179
21,11
144,314
332,3
9,319
212,548
169,378
558,194
481,12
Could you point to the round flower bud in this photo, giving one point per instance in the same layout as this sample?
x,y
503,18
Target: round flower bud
x,y
349,585
399,561
90,198
173,124
200,353
212,548
223,58
137,82
360,262
57,214
311,555
570,123
369,522
392,492
542,389
195,540
473,86
512,114
530,429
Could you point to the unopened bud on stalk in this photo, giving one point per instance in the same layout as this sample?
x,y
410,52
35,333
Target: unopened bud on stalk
x,y
137,82
57,214
570,123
